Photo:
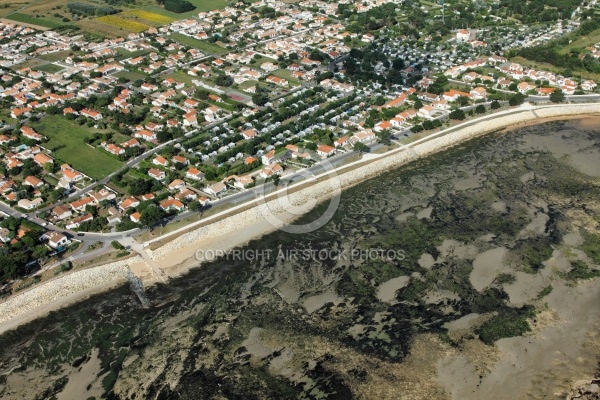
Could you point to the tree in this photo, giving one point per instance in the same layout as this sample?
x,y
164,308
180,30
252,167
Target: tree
x,y
379,101
151,215
457,114
140,186
50,167
463,101
360,147
194,205
557,96
384,136
260,98
416,128
224,80
516,99
495,105
480,109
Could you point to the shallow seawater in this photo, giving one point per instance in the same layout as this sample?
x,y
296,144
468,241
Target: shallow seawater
x,y
494,234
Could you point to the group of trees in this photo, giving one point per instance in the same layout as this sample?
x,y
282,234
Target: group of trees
x,y
177,6
260,96
90,10
551,52
530,11
360,66
14,257
224,80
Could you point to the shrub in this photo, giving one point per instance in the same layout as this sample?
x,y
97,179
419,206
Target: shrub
x,y
508,323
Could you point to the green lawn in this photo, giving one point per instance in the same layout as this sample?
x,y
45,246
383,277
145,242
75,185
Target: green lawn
x,y
132,76
56,56
201,45
34,21
247,84
285,74
49,68
66,138
124,54
182,77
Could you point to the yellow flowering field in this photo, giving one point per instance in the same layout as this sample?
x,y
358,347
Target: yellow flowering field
x,y
132,26
149,16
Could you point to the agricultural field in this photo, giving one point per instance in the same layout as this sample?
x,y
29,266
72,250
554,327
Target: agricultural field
x,y
137,17
11,7
147,17
67,144
123,24
45,22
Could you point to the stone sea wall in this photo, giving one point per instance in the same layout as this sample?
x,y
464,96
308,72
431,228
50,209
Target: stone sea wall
x,y
61,287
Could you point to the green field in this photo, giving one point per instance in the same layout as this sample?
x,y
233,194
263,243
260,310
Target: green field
x,y
582,42
182,77
56,56
285,74
66,142
201,45
124,54
132,76
49,68
34,21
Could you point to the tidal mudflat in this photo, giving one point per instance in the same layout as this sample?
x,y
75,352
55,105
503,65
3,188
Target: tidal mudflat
x,y
496,295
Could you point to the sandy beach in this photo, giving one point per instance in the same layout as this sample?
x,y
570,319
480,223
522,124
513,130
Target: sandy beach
x,y
179,255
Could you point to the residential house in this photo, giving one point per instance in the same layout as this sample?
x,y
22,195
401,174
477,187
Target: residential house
x,y
216,189
77,221
270,170
324,150
160,161
61,212
30,204
135,217
249,134
268,158
130,202
172,204
33,181
194,174
56,240
157,174
29,133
